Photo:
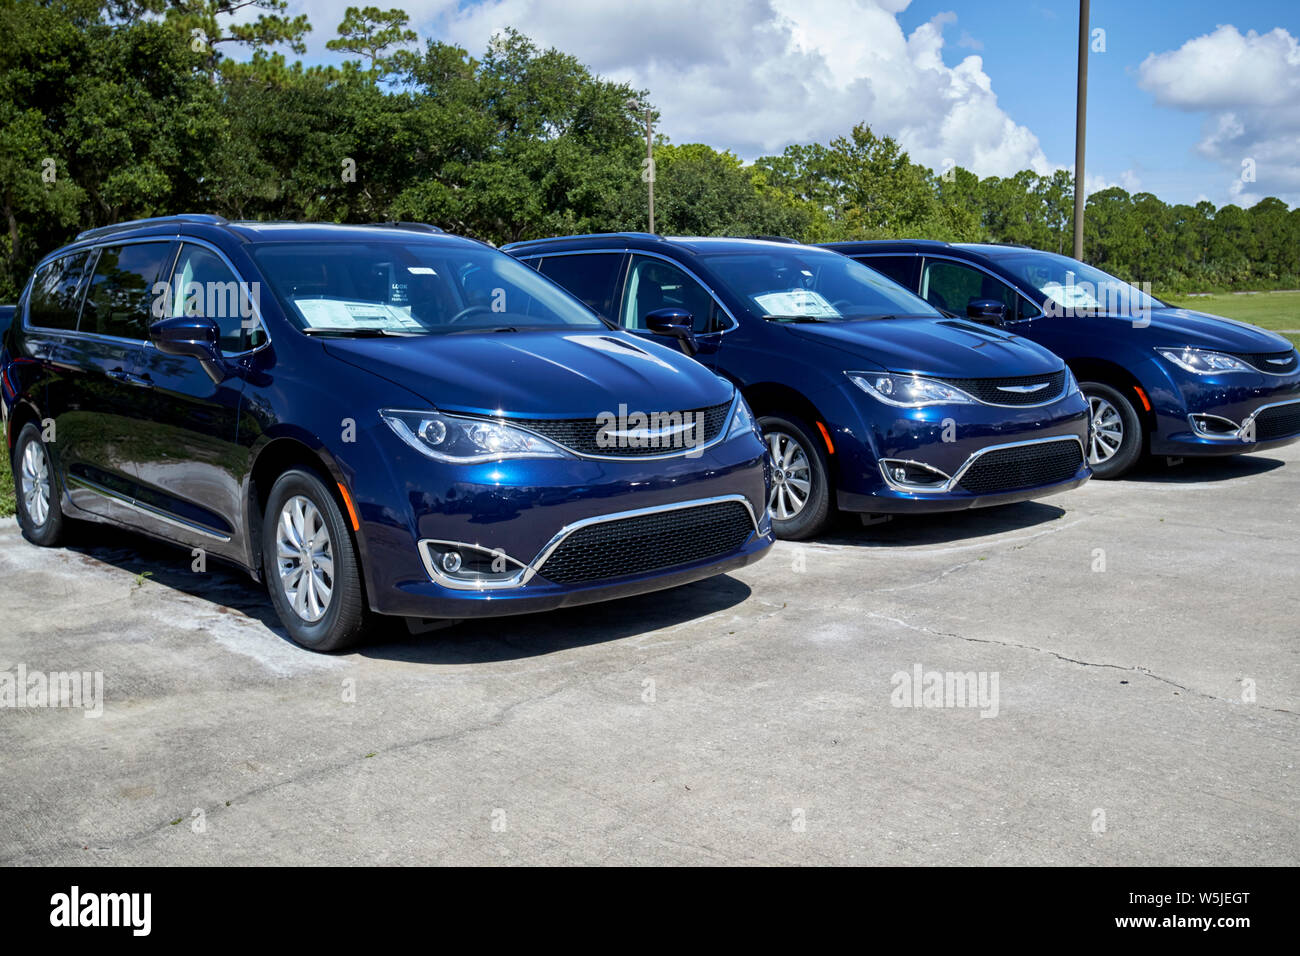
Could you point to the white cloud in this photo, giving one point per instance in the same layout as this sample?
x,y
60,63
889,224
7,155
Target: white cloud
x,y
757,75
1249,87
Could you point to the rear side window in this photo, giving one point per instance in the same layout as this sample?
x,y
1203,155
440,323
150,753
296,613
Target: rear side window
x,y
117,302
898,268
56,292
592,278
203,285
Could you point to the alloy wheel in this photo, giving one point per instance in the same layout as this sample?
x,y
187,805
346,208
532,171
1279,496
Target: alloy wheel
x,y
36,483
1106,431
791,475
305,556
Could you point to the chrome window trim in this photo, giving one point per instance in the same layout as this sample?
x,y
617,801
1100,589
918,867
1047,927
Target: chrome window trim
x,y
94,250
693,451
534,567
653,255
955,480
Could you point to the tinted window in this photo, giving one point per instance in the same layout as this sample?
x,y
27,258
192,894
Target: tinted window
x,y
592,278
56,292
413,288
898,268
117,302
203,285
952,285
653,284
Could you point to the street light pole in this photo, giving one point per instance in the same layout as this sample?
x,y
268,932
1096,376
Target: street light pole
x,y
650,163
1080,125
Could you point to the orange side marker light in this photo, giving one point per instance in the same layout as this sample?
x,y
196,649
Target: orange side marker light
x,y
830,446
352,511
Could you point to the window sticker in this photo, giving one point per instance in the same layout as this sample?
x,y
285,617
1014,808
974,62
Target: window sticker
x,y
346,314
796,302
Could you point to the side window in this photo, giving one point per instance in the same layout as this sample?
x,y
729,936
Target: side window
x,y
654,284
203,285
898,268
592,278
117,302
952,285
56,293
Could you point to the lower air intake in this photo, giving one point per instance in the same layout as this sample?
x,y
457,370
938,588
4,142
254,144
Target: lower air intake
x,y
648,543
1024,466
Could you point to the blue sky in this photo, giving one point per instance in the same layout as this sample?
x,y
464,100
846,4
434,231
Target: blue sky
x,y
1185,92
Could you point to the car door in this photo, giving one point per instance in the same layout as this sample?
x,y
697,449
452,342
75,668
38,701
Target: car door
x,y
186,458
96,415
653,283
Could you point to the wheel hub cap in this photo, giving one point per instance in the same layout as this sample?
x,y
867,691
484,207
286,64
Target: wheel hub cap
x,y
36,483
1105,430
791,475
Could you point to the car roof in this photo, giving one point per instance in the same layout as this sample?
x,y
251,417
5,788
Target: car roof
x,y
992,250
201,226
689,245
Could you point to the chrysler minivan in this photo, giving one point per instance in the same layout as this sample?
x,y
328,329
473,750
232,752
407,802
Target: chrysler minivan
x,y
372,420
870,400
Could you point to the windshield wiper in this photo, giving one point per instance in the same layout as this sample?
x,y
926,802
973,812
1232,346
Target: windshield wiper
x,y
359,333
795,318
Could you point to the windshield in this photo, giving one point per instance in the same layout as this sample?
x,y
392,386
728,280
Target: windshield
x,y
805,285
413,288
1074,286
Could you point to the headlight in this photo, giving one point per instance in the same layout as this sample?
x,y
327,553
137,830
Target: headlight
x,y
1204,362
908,391
742,419
466,440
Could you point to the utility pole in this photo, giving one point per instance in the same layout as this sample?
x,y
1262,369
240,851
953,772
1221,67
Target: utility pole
x,y
1080,126
648,173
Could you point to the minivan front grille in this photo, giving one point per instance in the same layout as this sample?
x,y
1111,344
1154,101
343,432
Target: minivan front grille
x,y
650,542
1020,390
582,435
1023,466
1279,421
1279,363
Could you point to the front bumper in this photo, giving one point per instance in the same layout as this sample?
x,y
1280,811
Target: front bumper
x,y
950,441
528,510
1225,415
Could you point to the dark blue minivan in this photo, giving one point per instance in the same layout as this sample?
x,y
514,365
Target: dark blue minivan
x,y
1161,380
372,419
870,400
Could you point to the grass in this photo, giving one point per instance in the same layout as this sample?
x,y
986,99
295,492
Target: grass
x,y
6,488
1268,310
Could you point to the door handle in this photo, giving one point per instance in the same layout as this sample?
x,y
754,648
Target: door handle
x,y
122,375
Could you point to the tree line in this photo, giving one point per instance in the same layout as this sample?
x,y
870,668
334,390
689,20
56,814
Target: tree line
x,y
121,109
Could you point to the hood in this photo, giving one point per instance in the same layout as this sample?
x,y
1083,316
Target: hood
x,y
537,374
1174,327
943,348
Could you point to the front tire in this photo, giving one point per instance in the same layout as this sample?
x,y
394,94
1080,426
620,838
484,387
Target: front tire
x,y
311,566
1114,432
800,499
40,515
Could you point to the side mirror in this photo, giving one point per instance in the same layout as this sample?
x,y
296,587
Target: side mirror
x,y
677,324
988,311
195,336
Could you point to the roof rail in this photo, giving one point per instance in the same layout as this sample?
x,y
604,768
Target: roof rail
x,y
194,217
413,226
793,242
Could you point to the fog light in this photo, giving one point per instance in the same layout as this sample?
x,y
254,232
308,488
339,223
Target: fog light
x,y
900,474
451,562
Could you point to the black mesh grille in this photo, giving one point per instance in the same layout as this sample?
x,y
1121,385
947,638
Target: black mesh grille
x,y
649,543
1026,466
580,434
1278,422
988,389
1260,360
